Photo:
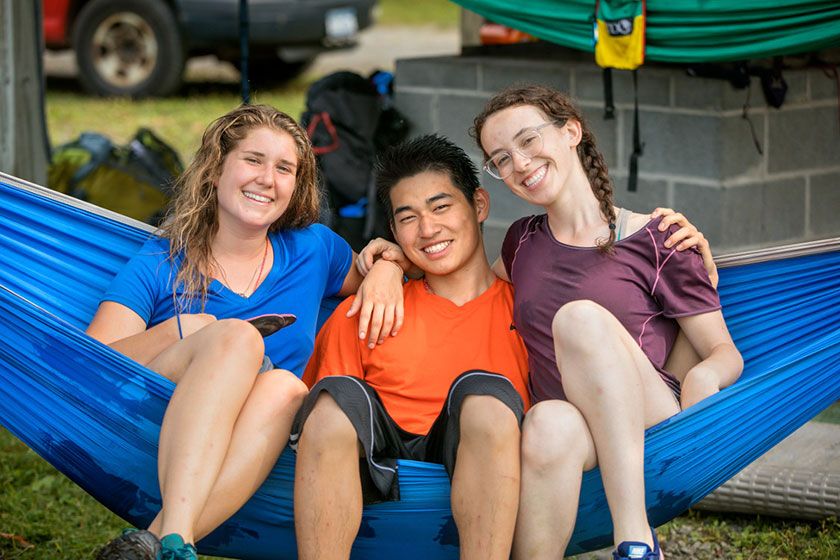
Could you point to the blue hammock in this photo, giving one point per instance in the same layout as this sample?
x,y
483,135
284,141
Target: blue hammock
x,y
95,415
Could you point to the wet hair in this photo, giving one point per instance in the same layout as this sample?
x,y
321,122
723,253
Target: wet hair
x,y
193,216
559,107
418,155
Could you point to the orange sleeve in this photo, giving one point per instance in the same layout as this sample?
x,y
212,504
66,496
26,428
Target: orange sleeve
x,y
338,348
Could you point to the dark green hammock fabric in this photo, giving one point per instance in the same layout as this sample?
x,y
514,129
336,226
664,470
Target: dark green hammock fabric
x,y
684,31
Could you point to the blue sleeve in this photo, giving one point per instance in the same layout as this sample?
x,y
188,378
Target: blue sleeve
x,y
138,284
339,258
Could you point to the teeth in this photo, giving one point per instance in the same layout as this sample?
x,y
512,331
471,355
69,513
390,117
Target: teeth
x,y
437,247
257,197
536,177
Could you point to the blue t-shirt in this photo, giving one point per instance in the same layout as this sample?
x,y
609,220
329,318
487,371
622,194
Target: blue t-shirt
x,y
309,264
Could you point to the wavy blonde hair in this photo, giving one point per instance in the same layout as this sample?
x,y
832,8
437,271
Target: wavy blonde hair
x,y
193,216
560,108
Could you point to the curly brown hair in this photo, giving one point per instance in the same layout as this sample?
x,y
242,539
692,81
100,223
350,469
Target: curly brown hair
x,y
192,219
560,108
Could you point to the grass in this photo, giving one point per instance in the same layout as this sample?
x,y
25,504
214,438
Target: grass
x,y
440,13
179,121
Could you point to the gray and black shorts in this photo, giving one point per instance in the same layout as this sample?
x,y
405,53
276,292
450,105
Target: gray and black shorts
x,y
384,441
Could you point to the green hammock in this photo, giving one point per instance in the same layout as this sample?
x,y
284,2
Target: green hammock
x,y
684,30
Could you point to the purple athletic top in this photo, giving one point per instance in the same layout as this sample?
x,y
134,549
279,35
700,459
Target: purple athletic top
x,y
645,285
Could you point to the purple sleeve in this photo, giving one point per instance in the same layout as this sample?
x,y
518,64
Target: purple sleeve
x,y
512,241
680,282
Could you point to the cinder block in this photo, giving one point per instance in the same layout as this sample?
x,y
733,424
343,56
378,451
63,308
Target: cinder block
x,y
456,115
676,144
650,194
654,86
803,139
702,205
825,205
712,94
442,72
494,235
497,74
504,205
739,156
822,85
419,109
797,86
606,135
783,210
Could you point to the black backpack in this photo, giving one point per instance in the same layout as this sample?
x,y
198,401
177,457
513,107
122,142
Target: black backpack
x,y
349,119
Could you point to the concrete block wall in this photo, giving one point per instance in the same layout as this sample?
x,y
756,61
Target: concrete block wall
x,y
700,156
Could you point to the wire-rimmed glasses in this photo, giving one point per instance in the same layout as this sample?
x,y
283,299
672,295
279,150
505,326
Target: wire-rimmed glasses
x,y
527,143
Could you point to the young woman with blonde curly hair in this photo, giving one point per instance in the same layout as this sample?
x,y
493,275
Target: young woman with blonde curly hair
x,y
240,241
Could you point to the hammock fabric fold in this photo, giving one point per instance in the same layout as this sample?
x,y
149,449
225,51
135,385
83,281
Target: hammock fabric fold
x,y
684,31
95,415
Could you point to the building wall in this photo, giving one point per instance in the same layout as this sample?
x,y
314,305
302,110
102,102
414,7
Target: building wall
x,y
700,156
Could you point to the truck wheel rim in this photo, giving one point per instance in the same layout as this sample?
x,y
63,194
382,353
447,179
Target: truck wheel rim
x,y
124,49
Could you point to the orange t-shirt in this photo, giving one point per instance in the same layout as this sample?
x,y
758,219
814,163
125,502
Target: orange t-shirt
x,y
439,340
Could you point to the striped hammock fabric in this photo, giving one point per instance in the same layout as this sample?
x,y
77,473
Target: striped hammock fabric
x,y
95,415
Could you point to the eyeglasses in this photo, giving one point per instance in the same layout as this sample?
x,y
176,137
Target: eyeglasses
x,y
528,143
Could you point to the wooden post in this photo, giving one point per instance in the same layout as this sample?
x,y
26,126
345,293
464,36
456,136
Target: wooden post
x,y
24,146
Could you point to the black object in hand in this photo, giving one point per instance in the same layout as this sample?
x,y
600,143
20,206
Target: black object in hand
x,y
269,324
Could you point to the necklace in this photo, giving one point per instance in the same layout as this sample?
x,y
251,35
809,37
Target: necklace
x,y
257,274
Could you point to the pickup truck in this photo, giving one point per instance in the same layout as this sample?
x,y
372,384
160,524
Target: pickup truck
x,y
139,47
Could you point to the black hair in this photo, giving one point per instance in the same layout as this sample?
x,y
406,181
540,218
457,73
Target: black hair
x,y
418,155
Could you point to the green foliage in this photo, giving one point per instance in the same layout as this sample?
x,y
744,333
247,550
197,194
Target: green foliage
x,y
441,13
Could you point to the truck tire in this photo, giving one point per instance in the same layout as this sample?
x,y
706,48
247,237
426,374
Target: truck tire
x,y
128,47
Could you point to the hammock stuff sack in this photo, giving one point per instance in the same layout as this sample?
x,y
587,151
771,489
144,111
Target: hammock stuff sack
x,y
95,415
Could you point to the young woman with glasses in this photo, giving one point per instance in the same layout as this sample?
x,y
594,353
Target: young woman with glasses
x,y
601,294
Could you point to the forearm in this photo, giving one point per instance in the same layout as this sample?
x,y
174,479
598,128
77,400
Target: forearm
x,y
146,346
720,369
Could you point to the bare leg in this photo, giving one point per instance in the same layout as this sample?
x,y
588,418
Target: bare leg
x,y
214,369
485,484
328,490
610,380
556,449
259,436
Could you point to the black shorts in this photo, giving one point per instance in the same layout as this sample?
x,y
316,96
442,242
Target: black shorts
x,y
384,441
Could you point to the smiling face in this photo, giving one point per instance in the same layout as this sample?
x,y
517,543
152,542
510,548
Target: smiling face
x,y
257,180
540,178
435,224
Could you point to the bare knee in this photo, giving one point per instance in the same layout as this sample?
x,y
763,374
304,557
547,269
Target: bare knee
x,y
488,420
327,428
580,323
282,389
554,434
234,337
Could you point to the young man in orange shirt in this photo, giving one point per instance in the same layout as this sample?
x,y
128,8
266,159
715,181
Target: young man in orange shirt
x,y
453,384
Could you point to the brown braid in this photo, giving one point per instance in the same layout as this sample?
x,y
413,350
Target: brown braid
x,y
560,108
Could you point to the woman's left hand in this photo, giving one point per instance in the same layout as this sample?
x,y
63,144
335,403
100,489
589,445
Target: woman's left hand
x,y
379,302
687,236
